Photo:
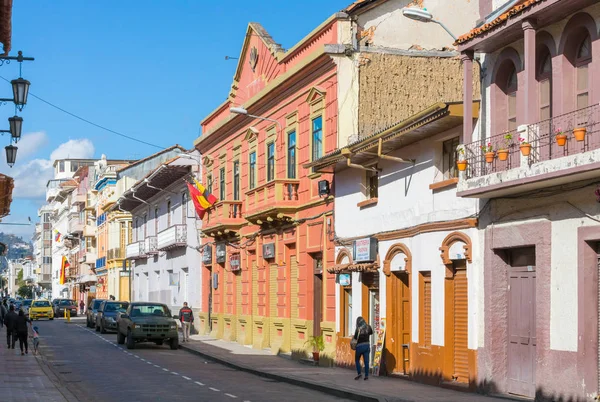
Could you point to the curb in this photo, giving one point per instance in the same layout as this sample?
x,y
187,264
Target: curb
x,y
339,392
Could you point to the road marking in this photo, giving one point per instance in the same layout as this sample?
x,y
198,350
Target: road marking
x,y
174,373
187,378
213,389
143,360
231,396
165,369
199,383
156,366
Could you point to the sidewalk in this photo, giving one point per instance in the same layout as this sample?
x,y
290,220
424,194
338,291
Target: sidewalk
x,y
26,378
334,381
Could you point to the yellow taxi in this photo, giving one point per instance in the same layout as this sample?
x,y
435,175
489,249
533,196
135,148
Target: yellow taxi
x,y
41,309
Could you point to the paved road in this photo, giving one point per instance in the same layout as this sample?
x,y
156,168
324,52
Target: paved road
x,y
95,368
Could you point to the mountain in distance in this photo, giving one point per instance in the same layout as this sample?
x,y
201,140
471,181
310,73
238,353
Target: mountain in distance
x,y
17,247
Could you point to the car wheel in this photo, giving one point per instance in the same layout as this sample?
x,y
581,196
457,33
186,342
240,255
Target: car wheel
x,y
174,343
97,327
130,341
102,329
87,324
159,343
51,318
120,338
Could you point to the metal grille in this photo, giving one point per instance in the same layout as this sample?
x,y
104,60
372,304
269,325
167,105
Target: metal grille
x,y
475,154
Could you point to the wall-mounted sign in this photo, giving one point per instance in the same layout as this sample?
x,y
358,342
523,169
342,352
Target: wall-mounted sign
x,y
269,251
207,254
344,279
234,261
365,250
221,252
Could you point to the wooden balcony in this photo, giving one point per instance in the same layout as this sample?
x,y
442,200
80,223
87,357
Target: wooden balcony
x,y
223,218
272,201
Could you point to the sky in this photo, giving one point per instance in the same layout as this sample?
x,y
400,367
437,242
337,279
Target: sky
x,y
150,69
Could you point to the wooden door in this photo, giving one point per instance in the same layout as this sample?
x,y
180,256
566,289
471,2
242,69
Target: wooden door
x,y
522,323
460,359
397,360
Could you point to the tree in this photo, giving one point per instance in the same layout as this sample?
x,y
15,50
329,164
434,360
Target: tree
x,y
24,291
20,281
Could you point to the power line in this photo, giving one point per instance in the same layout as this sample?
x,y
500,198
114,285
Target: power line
x,y
91,122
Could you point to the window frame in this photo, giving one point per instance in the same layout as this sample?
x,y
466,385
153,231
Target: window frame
x,y
291,155
270,161
371,184
184,201
425,329
156,221
511,95
169,213
236,180
317,152
543,77
222,193
252,170
449,159
580,64
209,182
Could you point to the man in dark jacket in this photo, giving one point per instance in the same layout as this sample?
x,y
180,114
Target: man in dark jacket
x,y
11,327
186,316
3,312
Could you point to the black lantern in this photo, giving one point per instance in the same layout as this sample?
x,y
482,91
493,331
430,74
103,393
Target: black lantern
x,y
11,155
323,188
20,91
16,125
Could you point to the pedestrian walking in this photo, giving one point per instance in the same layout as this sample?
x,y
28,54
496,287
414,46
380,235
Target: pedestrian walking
x,y
11,326
81,306
362,341
186,316
36,339
3,312
22,331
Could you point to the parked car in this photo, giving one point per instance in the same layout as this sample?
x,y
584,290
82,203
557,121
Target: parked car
x,y
25,306
65,304
91,312
147,322
106,318
41,309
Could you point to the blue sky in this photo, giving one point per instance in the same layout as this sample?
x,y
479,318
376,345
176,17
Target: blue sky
x,y
150,69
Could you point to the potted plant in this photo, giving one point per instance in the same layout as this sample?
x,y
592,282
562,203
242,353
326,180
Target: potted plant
x,y
525,147
503,153
461,162
579,133
488,151
561,137
317,344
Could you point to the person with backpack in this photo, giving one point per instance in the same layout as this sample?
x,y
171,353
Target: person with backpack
x,y
186,316
3,312
362,344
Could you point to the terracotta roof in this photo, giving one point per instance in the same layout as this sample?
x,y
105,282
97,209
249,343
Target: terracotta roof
x,y
6,24
519,8
366,267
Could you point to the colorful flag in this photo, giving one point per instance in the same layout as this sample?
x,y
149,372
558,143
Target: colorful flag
x,y
201,197
63,270
57,236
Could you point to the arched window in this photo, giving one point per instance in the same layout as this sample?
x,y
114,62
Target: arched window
x,y
544,74
511,99
582,62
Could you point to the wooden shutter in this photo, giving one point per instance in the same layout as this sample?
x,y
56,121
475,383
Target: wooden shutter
x,y
461,331
426,310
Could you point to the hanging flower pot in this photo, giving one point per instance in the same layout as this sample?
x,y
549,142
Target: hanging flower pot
x,y
503,154
462,165
561,140
579,133
525,149
489,156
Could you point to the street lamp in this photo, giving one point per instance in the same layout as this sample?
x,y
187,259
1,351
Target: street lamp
x,y
16,126
11,155
20,91
242,111
422,15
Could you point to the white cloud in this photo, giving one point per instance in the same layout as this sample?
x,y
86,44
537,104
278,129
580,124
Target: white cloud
x,y
82,149
30,143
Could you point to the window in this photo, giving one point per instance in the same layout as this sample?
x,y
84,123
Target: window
x,y
74,166
449,169
271,161
544,77
511,92
209,182
252,172
317,138
291,155
61,166
348,324
222,183
183,207
372,187
156,226
145,225
236,180
169,213
137,226
426,308
584,57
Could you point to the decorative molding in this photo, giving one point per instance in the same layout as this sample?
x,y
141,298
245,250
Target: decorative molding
x,y
251,134
392,252
343,253
367,203
315,94
448,242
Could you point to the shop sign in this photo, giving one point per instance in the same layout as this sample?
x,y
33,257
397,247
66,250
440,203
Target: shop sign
x,y
207,254
234,262
345,279
269,251
221,252
365,250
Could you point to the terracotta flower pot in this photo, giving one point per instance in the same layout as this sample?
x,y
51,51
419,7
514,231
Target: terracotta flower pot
x,y
579,133
489,156
315,356
561,140
503,154
462,165
525,149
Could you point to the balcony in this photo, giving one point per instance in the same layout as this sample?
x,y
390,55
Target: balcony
x,y
173,237
224,217
89,231
548,164
151,245
273,200
75,225
87,256
136,250
115,254
79,199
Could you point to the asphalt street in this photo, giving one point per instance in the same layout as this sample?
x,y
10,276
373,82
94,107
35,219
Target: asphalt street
x,y
93,367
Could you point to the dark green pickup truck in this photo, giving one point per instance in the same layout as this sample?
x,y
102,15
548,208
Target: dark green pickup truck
x,y
147,322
